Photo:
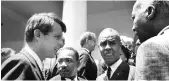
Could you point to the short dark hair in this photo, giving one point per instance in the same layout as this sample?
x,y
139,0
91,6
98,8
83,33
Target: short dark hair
x,y
69,48
162,8
43,22
87,36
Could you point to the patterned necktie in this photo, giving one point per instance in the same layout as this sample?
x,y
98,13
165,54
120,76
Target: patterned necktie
x,y
108,72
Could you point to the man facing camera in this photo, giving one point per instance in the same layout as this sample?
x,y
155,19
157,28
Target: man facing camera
x,y
43,37
109,46
67,64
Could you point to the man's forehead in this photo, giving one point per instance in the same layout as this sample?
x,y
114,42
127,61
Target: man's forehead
x,y
136,6
56,28
145,1
108,38
112,39
65,57
110,35
142,3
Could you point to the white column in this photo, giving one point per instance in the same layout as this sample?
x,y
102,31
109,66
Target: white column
x,y
75,18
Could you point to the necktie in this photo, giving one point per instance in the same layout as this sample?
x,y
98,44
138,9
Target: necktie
x,y
108,72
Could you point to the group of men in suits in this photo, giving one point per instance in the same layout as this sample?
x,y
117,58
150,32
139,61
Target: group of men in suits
x,y
109,44
44,37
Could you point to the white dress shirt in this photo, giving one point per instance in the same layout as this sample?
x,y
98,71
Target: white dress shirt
x,y
68,79
114,66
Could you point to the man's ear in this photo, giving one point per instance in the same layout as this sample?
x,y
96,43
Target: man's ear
x,y
150,12
37,34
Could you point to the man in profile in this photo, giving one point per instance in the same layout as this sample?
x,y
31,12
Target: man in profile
x,y
151,24
43,37
87,67
67,64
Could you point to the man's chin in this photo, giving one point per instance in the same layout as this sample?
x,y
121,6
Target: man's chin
x,y
109,62
50,56
143,39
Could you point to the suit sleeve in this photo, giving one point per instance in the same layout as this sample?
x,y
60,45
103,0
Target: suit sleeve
x,y
152,60
13,69
84,58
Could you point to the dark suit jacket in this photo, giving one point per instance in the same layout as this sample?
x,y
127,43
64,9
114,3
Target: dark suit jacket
x,y
123,72
152,60
87,67
58,77
21,66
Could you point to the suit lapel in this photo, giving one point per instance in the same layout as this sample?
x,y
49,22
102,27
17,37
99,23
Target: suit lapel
x,y
121,72
116,74
34,64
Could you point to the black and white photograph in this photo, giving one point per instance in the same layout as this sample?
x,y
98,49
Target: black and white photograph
x,y
110,40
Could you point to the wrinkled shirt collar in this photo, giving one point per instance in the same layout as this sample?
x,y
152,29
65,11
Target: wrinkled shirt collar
x,y
164,30
115,65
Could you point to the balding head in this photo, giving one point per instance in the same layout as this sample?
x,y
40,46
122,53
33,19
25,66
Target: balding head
x,y
109,45
108,33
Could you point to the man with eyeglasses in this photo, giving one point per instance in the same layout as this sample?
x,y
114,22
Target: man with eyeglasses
x,y
109,46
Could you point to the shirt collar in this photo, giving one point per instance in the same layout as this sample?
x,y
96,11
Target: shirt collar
x,y
75,79
163,30
34,55
115,65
